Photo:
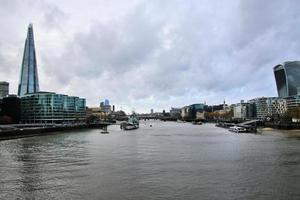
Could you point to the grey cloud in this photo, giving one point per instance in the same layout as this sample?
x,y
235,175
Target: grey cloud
x,y
173,52
54,17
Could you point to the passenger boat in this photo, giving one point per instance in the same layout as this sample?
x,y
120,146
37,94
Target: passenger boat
x,y
131,124
237,129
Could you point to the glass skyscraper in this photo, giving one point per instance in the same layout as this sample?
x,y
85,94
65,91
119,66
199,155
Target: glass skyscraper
x,y
287,76
29,82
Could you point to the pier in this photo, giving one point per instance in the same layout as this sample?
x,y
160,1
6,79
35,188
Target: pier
x,y
250,126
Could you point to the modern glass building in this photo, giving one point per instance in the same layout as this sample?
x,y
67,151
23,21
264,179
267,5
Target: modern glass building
x,y
190,112
29,82
49,107
287,76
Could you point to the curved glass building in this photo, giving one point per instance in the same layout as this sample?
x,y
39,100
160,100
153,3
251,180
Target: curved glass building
x,y
29,82
49,107
287,76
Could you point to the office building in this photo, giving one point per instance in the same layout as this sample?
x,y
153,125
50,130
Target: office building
x,y
106,102
240,110
49,107
287,76
4,89
10,110
190,112
105,107
269,107
292,101
29,82
175,113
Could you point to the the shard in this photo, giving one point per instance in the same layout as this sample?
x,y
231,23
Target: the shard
x,y
29,82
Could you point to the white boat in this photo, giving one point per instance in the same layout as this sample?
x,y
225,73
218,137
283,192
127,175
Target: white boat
x,y
237,129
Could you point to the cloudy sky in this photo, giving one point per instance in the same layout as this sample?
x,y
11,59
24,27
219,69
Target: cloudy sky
x,y
143,54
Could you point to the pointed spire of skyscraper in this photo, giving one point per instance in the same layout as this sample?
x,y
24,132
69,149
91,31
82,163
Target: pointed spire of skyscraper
x,y
29,81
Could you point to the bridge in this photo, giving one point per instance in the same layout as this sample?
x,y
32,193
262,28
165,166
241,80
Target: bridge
x,y
162,118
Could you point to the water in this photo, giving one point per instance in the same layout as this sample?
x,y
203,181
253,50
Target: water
x,y
166,161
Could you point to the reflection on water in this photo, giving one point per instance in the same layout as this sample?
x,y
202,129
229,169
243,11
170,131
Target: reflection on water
x,y
166,161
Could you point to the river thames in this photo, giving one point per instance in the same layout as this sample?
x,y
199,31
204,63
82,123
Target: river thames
x,y
169,160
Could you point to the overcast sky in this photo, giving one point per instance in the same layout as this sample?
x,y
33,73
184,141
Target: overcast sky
x,y
143,54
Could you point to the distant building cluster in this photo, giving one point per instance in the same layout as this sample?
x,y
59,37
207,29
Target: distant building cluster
x,y
105,107
105,112
287,77
201,111
285,106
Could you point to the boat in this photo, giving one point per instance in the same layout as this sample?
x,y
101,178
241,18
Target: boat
x,y
237,129
131,124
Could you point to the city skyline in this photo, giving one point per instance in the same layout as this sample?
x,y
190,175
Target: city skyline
x,y
164,54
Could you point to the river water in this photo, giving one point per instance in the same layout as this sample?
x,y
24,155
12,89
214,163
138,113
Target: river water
x,y
169,160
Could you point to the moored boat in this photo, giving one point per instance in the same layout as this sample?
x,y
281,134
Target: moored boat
x,y
131,124
237,129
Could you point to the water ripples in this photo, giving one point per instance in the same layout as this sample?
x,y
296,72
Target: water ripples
x,y
167,161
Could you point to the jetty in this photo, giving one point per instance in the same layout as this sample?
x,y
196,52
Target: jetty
x,y
249,126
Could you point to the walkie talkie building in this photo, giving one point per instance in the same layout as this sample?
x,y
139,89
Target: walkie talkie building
x,y
29,82
287,76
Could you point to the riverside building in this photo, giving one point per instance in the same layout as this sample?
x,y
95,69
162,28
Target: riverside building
x,y
190,112
49,107
269,107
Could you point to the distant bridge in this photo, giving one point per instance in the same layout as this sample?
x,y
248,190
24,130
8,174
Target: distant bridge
x,y
163,118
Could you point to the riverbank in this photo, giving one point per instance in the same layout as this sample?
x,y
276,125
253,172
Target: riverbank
x,y
28,130
282,126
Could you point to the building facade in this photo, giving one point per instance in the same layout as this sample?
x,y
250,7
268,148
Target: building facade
x,y
287,77
4,89
175,112
240,110
269,107
106,102
49,107
29,82
190,112
244,110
